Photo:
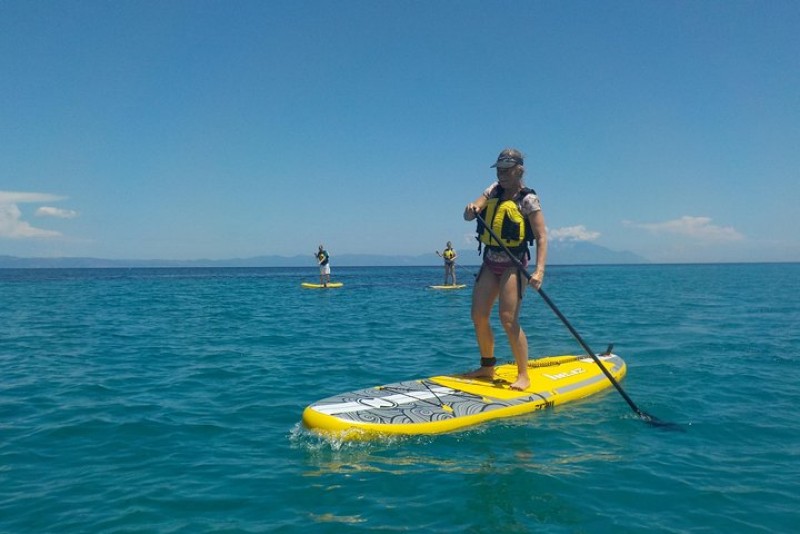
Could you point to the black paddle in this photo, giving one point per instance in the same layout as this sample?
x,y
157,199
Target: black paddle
x,y
647,417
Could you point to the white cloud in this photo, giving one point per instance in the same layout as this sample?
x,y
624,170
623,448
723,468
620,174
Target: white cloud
x,y
13,197
14,227
47,211
572,233
699,228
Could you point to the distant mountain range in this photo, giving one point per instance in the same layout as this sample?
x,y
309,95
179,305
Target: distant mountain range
x,y
559,253
585,253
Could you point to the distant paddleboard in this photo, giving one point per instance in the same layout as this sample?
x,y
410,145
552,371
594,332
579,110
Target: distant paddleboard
x,y
330,285
446,403
459,286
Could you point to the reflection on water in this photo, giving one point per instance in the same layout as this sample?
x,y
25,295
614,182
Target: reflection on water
x,y
403,455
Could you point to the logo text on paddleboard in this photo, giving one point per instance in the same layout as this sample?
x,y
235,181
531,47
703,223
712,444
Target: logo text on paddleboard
x,y
566,374
377,402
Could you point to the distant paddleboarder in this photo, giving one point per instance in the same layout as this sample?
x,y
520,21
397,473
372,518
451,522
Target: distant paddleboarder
x,y
449,256
323,258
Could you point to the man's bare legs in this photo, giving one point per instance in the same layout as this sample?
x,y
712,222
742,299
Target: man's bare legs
x,y
487,289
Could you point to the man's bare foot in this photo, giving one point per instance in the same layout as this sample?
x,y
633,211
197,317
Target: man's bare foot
x,y
521,383
481,372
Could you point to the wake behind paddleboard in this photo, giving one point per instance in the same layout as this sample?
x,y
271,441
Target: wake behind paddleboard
x,y
459,286
446,403
330,285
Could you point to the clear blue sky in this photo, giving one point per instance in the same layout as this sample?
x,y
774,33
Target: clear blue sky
x,y
211,129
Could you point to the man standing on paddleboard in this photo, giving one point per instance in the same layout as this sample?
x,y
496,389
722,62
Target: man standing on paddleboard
x,y
449,255
515,215
324,266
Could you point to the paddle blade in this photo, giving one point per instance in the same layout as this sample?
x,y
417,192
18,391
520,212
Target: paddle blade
x,y
658,423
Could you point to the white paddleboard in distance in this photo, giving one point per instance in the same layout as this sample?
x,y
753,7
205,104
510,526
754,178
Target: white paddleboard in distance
x,y
450,286
329,285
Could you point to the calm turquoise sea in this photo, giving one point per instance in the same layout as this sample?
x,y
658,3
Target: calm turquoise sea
x,y
169,400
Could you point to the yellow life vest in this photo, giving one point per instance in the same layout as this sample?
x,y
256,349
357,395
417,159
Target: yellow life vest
x,y
449,254
508,223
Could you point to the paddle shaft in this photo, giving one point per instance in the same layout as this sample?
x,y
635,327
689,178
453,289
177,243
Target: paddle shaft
x,y
569,326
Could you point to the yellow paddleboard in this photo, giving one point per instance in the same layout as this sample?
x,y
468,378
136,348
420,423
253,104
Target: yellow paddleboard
x,y
459,286
446,403
321,286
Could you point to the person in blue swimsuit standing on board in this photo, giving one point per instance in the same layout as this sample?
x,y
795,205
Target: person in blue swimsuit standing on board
x,y
514,213
324,266
449,256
